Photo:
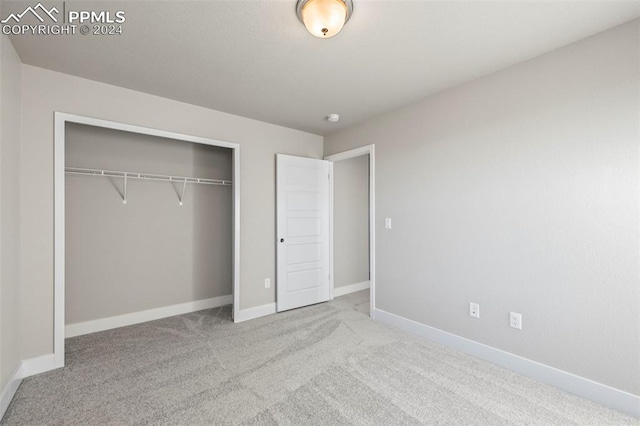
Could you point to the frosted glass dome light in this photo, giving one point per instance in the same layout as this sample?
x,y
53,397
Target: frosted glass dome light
x,y
324,18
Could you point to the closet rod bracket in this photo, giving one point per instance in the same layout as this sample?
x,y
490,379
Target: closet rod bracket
x,y
184,188
124,189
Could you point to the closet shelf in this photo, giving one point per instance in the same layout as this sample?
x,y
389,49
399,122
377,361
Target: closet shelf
x,y
147,176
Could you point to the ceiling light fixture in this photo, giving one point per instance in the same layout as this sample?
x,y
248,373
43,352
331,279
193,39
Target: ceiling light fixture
x,y
324,18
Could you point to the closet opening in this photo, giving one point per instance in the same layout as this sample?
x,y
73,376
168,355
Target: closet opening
x,y
146,226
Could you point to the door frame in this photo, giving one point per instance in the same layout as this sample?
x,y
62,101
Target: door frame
x,y
59,210
357,152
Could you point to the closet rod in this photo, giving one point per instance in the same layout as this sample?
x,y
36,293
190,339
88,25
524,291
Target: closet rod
x,y
146,176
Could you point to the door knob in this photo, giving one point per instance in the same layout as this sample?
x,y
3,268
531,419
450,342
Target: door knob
x,y
282,240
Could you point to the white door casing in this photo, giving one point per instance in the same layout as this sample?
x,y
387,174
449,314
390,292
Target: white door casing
x,y
302,209
356,152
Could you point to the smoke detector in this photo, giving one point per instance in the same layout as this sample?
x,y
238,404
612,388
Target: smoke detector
x,y
333,118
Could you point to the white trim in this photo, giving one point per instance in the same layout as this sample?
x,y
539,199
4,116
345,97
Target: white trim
x,y
331,213
96,122
10,389
59,205
37,365
351,288
59,238
93,326
356,152
257,312
236,232
372,228
586,388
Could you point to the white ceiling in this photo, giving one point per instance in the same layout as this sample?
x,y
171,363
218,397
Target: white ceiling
x,y
255,59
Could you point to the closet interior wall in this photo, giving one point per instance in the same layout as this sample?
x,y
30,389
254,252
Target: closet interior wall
x,y
151,252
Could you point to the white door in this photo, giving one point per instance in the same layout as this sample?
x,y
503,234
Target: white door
x,y
302,206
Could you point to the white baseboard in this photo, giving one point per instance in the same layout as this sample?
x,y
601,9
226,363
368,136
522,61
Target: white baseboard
x,y
351,288
78,329
594,391
44,363
37,365
257,312
10,389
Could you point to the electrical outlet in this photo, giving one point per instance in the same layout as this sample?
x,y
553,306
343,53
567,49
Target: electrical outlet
x,y
267,283
387,222
515,320
474,310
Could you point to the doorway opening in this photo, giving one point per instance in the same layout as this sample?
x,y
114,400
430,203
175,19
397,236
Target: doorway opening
x,y
352,251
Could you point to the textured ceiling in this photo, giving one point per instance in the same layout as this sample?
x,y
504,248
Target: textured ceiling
x,y
255,59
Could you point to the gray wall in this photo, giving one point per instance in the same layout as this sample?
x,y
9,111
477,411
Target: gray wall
x,y
151,252
45,92
519,191
351,221
10,86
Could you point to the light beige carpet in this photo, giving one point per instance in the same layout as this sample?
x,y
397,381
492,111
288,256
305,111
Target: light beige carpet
x,y
324,364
